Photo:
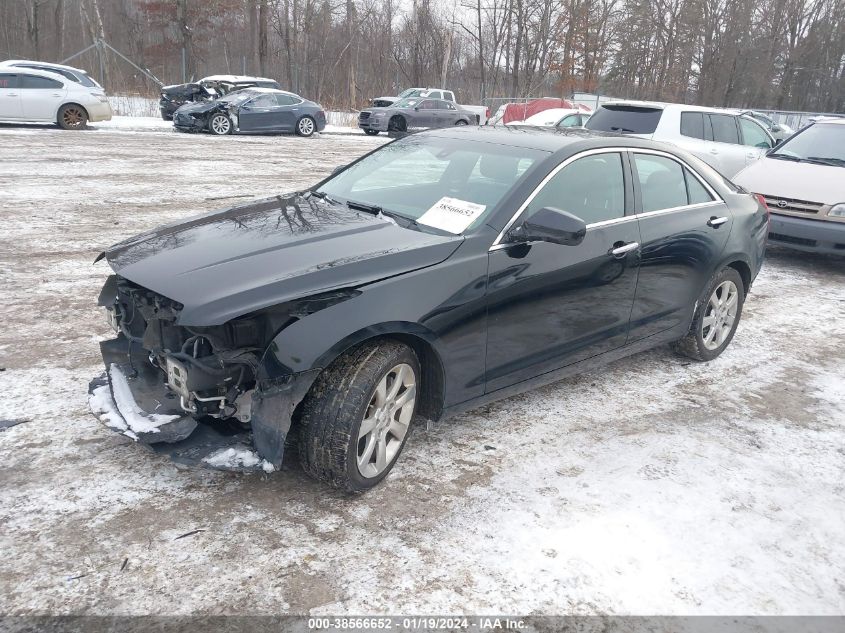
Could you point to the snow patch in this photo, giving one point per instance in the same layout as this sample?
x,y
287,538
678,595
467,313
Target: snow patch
x,y
235,458
117,408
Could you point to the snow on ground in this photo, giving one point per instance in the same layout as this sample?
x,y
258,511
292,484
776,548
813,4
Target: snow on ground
x,y
654,485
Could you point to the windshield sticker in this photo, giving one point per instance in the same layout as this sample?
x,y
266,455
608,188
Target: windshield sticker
x,y
452,215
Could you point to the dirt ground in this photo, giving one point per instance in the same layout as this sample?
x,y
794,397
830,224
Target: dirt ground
x,y
655,485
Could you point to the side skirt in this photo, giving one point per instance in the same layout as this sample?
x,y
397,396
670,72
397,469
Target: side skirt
x,y
564,372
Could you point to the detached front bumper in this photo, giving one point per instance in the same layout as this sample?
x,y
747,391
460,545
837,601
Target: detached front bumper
x,y
132,398
813,236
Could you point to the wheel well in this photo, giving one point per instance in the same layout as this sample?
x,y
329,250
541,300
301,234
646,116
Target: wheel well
x,y
744,272
433,379
72,103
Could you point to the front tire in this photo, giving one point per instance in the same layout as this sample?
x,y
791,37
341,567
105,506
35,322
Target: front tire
x,y
220,124
716,319
306,126
397,124
461,122
72,117
371,132
357,417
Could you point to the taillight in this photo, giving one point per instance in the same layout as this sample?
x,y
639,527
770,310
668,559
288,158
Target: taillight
x,y
488,113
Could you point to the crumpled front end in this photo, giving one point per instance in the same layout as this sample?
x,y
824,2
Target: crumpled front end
x,y
197,394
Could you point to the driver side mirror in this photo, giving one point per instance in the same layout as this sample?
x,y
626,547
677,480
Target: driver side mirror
x,y
338,169
550,225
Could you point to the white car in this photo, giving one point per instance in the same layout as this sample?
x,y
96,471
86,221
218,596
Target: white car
x,y
74,74
549,118
41,96
803,182
726,140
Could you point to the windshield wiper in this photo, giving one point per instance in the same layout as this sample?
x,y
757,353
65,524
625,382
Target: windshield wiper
x,y
623,130
794,159
824,160
323,196
363,206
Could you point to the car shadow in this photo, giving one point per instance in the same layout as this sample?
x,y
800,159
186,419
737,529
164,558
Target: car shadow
x,y
809,262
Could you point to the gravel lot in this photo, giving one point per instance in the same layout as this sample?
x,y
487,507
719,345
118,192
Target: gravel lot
x,y
653,486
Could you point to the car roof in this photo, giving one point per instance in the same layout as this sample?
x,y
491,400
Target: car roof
x,y
660,105
234,78
274,91
36,73
547,139
16,62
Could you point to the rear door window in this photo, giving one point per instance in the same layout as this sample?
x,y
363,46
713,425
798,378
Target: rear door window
x,y
41,83
662,182
625,119
698,194
692,124
59,71
724,128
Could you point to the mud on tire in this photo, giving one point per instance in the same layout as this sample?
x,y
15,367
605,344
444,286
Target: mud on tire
x,y
332,414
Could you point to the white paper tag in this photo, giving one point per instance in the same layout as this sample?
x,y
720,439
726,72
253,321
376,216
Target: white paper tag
x,y
451,214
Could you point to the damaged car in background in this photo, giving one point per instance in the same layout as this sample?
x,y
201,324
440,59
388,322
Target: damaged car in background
x,y
438,273
213,87
253,110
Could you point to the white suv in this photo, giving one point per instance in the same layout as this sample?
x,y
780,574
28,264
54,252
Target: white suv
x,y
726,140
39,96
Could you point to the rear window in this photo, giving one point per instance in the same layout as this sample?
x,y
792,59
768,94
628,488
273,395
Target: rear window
x,y
692,124
625,119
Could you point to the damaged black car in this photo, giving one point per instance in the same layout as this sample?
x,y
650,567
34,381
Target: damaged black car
x,y
442,271
213,87
253,111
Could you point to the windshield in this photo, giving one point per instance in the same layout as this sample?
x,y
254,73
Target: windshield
x,y
625,119
410,92
410,176
238,97
406,103
824,143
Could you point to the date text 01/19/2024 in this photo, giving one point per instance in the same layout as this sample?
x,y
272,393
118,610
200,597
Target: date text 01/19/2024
x,y
427,623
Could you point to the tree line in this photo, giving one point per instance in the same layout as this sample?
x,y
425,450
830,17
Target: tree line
x,y
778,54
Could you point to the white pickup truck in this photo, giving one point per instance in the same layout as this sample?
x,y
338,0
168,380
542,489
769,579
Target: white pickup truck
x,y
480,112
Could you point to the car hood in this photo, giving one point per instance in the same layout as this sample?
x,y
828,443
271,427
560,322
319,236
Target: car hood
x,y
799,181
198,106
229,263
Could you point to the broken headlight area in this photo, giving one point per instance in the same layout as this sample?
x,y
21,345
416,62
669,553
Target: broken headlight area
x,y
208,370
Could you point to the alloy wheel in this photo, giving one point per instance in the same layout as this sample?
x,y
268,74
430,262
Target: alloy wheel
x,y
306,126
73,118
221,124
720,315
386,420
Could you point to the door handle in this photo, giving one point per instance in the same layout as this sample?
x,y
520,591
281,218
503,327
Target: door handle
x,y
714,151
623,249
716,222
12,94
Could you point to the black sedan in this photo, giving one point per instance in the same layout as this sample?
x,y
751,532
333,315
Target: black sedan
x,y
438,273
252,110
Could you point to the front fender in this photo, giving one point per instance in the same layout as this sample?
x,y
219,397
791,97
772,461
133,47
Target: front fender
x,y
442,305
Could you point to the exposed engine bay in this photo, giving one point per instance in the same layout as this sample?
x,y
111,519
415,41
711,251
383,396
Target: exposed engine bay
x,y
212,370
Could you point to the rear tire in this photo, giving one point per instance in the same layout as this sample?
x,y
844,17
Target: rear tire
x,y
357,417
371,132
306,126
716,318
461,122
220,124
72,117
